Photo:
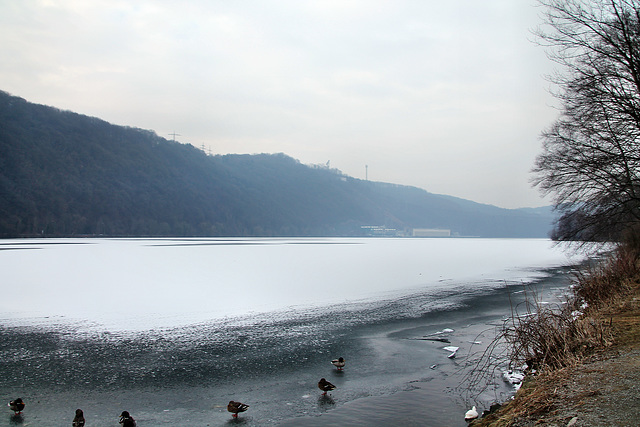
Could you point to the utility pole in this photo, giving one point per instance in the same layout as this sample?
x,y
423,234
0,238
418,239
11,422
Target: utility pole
x,y
366,172
174,134
205,149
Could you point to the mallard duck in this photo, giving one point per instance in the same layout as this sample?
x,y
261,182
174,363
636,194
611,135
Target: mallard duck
x,y
325,386
471,414
127,420
338,363
16,405
78,420
236,408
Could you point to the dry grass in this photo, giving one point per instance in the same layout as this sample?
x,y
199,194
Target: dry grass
x,y
535,399
547,338
600,284
603,310
624,317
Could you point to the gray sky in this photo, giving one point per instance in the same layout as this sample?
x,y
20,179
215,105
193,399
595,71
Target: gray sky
x,y
449,96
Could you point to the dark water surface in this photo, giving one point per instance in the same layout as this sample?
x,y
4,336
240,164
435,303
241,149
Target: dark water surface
x,y
186,376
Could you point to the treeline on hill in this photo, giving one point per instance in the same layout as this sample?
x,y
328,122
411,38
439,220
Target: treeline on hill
x,y
65,174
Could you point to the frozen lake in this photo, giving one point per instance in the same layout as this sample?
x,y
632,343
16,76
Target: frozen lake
x,y
172,329
141,284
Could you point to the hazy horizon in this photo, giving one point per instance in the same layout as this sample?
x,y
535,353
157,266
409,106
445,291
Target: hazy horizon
x,y
448,97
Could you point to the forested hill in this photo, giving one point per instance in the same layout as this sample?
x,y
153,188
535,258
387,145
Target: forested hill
x,y
65,174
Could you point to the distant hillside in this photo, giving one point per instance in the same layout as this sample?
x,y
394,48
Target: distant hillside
x,y
65,174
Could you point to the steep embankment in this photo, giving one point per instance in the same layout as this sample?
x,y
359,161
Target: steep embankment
x,y
601,387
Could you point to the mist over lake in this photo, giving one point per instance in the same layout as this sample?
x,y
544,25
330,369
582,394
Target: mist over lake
x,y
172,329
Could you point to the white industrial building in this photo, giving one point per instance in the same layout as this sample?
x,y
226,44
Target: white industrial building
x,y
431,232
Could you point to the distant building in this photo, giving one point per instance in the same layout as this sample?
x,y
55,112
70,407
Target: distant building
x,y
431,232
379,230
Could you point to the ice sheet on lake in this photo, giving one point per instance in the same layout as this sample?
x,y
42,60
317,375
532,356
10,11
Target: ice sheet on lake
x,y
141,284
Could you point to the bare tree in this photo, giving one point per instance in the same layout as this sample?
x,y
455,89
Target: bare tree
x,y
590,162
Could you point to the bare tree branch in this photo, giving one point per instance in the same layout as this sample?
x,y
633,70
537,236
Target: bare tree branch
x,y
590,161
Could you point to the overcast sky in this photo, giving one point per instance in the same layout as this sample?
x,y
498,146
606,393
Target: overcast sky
x,y
449,96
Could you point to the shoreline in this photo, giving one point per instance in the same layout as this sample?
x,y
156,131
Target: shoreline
x,y
403,386
603,388
432,398
439,396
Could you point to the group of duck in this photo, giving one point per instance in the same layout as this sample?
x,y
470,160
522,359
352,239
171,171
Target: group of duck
x,y
17,405
234,407
326,386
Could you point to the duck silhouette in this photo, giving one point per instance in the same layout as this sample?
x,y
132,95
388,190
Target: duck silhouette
x,y
78,420
325,386
338,363
236,407
127,420
16,406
